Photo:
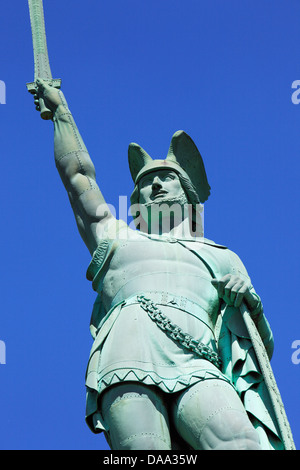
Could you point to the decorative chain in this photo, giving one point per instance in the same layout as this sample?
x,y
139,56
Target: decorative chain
x,y
176,333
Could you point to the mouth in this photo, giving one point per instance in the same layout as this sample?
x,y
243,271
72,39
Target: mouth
x,y
159,194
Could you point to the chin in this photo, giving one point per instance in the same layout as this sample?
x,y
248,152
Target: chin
x,y
167,199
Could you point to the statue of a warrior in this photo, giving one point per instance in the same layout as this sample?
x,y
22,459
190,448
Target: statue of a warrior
x,y
172,365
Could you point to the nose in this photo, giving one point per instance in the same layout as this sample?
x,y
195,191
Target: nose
x,y
156,183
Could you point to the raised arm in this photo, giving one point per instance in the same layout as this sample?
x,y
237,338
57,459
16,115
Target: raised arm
x,y
76,169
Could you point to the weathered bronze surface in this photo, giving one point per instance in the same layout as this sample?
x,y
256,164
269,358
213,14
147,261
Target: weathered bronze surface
x,y
181,348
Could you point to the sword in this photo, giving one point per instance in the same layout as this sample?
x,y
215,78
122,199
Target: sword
x,y
41,59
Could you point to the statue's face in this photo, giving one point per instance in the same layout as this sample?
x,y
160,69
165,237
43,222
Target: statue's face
x,y
159,185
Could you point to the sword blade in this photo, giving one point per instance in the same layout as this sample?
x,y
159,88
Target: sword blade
x,y
40,52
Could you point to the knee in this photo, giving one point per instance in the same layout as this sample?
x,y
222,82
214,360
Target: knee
x,y
243,441
233,432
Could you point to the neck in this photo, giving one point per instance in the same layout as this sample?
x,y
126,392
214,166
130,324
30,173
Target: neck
x,y
180,230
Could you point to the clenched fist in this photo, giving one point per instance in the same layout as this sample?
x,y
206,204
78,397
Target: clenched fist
x,y
51,96
234,290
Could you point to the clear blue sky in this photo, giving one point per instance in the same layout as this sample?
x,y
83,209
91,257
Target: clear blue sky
x,y
138,70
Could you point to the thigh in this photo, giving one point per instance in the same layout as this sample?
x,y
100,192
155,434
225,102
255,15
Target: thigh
x,y
210,415
136,417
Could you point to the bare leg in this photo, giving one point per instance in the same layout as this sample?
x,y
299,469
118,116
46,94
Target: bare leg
x,y
136,418
210,416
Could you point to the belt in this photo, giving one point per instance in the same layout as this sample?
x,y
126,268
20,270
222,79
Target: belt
x,y
171,300
176,333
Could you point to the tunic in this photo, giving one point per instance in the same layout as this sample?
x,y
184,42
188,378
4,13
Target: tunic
x,y
128,344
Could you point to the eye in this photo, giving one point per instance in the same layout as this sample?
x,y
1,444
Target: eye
x,y
169,176
145,182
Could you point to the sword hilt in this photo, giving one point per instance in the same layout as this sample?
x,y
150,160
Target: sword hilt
x,y
45,113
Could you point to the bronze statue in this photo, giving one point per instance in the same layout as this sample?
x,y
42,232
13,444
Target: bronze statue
x,y
174,364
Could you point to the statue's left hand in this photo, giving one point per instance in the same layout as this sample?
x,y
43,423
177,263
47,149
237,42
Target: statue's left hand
x,y
234,290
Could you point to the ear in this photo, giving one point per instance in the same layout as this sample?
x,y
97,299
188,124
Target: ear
x,y
137,158
184,151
